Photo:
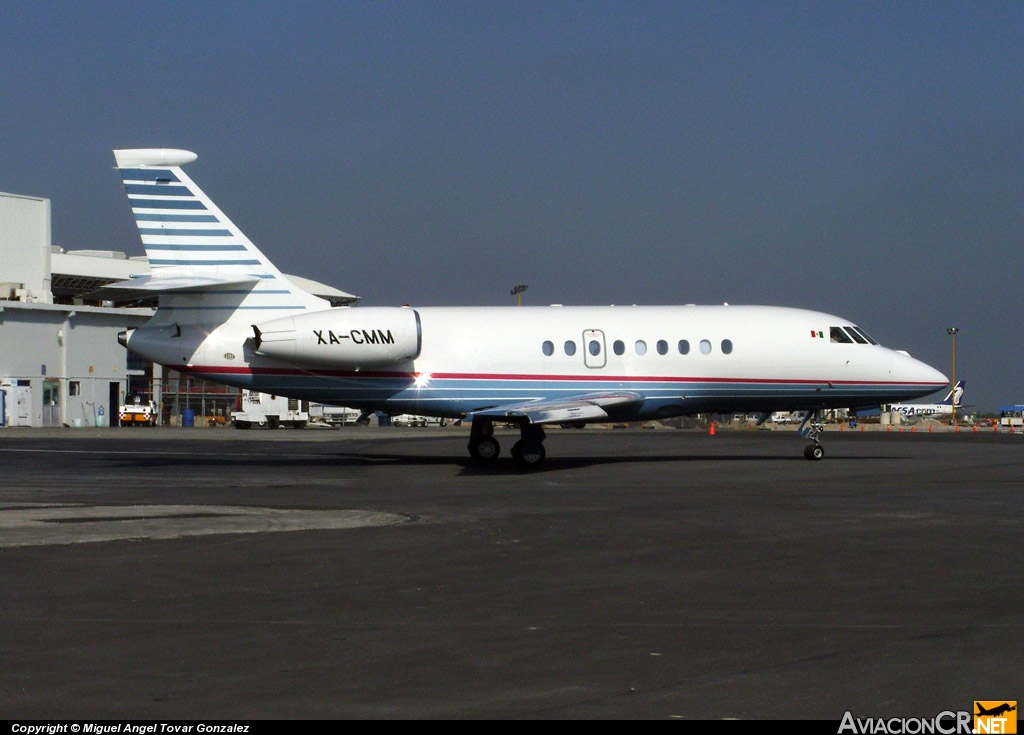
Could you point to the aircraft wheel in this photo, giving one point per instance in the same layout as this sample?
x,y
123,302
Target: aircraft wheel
x,y
485,449
814,452
528,454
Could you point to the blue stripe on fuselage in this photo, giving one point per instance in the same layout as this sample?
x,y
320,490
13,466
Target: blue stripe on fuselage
x,y
455,396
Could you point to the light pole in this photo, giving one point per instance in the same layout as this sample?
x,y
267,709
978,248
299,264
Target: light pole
x,y
951,331
517,291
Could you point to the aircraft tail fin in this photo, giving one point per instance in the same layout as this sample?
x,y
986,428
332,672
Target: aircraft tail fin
x,y
955,396
202,265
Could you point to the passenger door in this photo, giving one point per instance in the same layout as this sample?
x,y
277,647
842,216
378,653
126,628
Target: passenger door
x,y
593,348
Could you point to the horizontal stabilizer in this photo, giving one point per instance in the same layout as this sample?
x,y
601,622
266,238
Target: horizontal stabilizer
x,y
584,407
165,283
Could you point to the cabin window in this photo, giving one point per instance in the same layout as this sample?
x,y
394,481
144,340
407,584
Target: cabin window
x,y
594,347
705,347
619,347
684,347
548,347
726,346
641,347
570,347
662,347
838,334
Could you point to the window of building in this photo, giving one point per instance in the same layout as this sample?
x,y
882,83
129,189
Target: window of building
x,y
74,387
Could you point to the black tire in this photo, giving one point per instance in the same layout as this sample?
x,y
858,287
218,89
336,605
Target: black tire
x,y
528,453
485,449
814,452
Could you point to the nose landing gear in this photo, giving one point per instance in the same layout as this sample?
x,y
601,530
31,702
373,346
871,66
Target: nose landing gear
x,y
811,428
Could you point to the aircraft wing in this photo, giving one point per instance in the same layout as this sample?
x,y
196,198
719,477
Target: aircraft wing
x,y
583,407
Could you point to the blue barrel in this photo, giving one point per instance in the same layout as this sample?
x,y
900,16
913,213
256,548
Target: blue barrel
x,y
188,417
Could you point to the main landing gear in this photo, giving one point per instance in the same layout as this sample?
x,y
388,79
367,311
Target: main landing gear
x,y
811,428
527,452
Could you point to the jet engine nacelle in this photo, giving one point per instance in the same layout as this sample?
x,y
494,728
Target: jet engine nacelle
x,y
346,338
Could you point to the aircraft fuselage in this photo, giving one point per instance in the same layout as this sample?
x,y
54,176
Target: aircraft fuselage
x,y
453,361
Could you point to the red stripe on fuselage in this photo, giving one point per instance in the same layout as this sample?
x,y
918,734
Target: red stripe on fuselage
x,y
590,377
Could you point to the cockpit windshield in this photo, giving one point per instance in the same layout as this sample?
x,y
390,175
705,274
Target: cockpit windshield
x,y
838,334
850,335
864,334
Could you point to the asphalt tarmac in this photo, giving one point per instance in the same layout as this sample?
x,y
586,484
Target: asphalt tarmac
x,y
377,573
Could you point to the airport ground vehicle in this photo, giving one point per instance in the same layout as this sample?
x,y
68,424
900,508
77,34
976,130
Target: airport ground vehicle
x,y
138,410
1012,417
261,410
333,415
406,419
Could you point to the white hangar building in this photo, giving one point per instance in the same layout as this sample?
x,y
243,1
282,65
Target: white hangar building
x,y
60,361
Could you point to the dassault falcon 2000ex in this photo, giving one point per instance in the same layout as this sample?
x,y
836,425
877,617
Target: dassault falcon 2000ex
x,y
226,313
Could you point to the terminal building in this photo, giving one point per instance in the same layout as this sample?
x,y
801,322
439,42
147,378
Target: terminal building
x,y
60,361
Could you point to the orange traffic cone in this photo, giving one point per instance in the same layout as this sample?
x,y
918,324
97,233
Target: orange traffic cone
x,y
712,431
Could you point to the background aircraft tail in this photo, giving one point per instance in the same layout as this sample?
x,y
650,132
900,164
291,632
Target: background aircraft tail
x,y
203,268
958,391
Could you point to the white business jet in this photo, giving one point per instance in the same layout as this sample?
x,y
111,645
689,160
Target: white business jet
x,y
226,313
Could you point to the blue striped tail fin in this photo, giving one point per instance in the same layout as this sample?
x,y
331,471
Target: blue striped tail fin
x,y
203,266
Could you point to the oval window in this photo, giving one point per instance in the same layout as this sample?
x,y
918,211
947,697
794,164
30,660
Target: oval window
x,y
705,347
548,347
619,347
726,346
570,347
594,347
641,347
684,347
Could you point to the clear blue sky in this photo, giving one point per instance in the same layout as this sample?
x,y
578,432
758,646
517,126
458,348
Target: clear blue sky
x,y
865,159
